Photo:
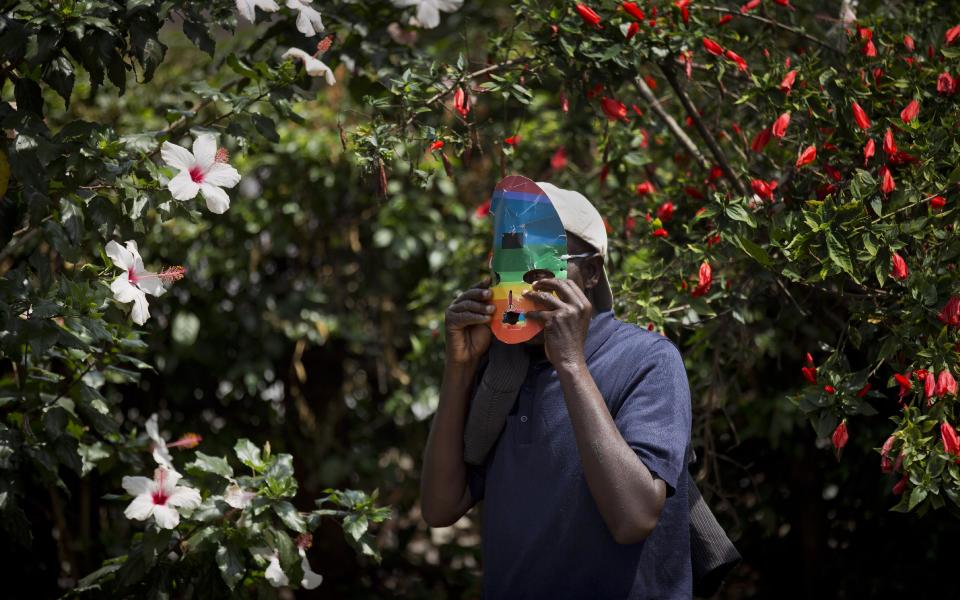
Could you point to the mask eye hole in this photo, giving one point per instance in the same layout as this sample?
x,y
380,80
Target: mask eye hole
x,y
535,274
496,278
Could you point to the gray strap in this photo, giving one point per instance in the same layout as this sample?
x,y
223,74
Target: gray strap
x,y
495,395
712,554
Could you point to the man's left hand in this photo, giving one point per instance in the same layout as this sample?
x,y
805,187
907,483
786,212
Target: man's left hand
x,y
566,319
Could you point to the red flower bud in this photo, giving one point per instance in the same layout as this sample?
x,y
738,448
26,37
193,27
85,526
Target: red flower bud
x,y
461,102
887,184
761,140
869,149
946,384
613,109
513,140
952,34
660,232
764,189
558,161
712,47
869,49
665,211
779,127
886,465
900,270
786,84
632,30
750,5
840,437
938,202
863,121
741,63
588,15
946,84
436,145
809,358
482,210
908,43
633,10
806,156
950,314
809,373
905,384
900,485
830,389
645,188
724,20
704,280
863,391
889,145
910,112
951,442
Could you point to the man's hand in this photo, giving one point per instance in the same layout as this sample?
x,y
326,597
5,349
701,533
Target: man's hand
x,y
467,324
565,320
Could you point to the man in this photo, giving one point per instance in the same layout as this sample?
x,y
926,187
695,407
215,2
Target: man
x,y
585,490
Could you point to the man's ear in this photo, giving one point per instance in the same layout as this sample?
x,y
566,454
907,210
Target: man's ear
x,y
592,270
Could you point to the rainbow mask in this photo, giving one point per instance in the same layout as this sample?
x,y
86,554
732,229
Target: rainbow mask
x,y
528,240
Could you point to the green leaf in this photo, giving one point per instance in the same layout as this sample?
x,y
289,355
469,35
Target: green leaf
x,y
739,213
290,516
211,464
839,253
917,496
753,250
249,454
230,563
355,526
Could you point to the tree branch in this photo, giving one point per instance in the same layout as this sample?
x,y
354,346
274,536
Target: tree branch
x,y
711,142
670,122
777,24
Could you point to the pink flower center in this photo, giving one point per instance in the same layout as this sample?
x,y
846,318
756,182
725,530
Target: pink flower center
x,y
159,497
131,276
196,174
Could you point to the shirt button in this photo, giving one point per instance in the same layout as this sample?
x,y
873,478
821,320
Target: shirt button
x,y
523,419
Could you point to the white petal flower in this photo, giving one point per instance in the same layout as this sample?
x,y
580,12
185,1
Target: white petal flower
x,y
314,66
159,498
428,11
202,170
237,497
274,573
246,8
160,452
310,579
135,282
308,19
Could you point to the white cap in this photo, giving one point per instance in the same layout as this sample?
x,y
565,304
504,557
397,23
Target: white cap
x,y
582,219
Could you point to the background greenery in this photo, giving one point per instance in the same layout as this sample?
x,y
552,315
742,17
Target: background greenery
x,y
310,317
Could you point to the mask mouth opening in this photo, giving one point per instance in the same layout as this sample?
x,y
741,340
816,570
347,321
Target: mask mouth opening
x,y
512,317
535,274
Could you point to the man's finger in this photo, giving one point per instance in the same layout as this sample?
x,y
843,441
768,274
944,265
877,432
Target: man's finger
x,y
475,293
470,306
545,298
543,316
467,318
567,290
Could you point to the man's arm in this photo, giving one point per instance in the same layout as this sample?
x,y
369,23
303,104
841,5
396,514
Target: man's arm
x,y
627,495
444,493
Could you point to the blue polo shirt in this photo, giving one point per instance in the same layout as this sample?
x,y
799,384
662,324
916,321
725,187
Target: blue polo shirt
x,y
543,536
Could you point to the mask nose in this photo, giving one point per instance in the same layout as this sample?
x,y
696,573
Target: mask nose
x,y
537,274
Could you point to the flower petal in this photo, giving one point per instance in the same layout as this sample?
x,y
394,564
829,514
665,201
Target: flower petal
x,y
177,157
136,486
137,260
205,151
165,516
123,290
309,22
275,574
310,579
222,175
141,310
141,508
183,187
217,200
150,283
428,15
121,257
184,497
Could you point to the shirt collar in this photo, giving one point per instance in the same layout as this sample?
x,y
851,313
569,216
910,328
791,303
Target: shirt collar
x,y
602,325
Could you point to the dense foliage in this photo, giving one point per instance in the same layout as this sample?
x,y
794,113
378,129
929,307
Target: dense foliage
x,y
780,184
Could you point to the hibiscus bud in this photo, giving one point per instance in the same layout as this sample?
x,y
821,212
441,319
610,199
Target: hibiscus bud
x,y
887,184
786,84
632,30
863,391
806,156
461,102
886,465
900,486
724,20
752,4
952,34
513,140
633,10
436,145
704,280
712,47
910,112
840,437
908,43
660,232
938,202
905,384
741,63
869,49
900,270
889,144
761,140
929,388
187,441
830,389
684,10
764,189
809,373
946,84
869,149
779,127
950,314
665,212
613,109
860,116
809,358
564,103
951,442
588,15
645,188
946,384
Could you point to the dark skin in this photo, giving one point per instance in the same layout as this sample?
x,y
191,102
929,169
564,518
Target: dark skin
x,y
628,497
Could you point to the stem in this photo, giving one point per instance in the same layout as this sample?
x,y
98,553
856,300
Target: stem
x,y
670,122
777,24
711,142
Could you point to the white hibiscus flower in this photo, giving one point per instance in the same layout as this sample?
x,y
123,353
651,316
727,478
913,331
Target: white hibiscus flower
x,y
428,11
135,282
160,452
314,66
159,498
205,170
247,8
237,497
310,579
308,19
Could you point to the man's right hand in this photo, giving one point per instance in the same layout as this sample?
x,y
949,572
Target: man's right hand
x,y
467,324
